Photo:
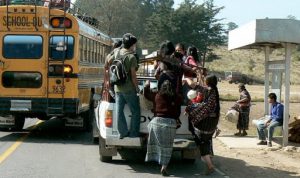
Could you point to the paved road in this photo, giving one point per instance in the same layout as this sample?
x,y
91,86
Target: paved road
x,y
49,150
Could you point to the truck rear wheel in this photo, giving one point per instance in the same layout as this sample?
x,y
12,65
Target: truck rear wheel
x,y
105,159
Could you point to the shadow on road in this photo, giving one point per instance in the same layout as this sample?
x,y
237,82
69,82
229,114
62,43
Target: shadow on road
x,y
51,131
226,167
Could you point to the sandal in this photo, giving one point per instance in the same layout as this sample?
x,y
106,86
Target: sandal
x,y
209,171
164,173
244,134
218,131
238,134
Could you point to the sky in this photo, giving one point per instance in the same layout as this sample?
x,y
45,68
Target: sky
x,y
243,11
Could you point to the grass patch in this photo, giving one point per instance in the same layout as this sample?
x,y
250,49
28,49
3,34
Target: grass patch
x,y
230,97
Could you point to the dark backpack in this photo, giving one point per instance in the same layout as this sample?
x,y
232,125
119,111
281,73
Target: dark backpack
x,y
117,70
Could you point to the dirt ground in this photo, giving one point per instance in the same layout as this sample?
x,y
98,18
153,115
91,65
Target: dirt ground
x,y
254,162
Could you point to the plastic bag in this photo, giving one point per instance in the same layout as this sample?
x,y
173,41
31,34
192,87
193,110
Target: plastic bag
x,y
232,116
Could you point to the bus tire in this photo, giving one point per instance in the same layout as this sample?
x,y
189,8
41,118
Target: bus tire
x,y
87,120
19,122
95,132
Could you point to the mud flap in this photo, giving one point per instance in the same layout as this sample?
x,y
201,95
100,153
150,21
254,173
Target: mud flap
x,y
106,151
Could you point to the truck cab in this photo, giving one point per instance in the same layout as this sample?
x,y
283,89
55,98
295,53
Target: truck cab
x,y
237,77
106,121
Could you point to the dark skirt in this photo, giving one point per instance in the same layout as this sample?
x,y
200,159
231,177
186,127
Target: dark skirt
x,y
243,122
204,143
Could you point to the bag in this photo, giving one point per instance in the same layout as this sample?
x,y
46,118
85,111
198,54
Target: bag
x,y
117,70
232,116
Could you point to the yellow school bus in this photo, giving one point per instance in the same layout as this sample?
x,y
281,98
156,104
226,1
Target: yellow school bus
x,y
51,64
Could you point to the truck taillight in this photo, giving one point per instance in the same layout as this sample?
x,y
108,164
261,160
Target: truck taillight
x,y
108,118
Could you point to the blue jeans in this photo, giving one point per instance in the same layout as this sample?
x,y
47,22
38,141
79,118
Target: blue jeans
x,y
133,102
261,130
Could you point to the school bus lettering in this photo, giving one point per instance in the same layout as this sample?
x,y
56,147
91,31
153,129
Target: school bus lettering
x,y
21,21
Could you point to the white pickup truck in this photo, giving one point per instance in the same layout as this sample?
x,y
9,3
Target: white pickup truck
x,y
109,142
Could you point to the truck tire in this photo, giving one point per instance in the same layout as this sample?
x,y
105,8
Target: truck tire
x,y
105,159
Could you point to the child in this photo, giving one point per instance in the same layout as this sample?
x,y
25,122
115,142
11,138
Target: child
x,y
195,99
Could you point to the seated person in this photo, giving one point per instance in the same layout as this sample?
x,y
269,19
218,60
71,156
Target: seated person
x,y
271,121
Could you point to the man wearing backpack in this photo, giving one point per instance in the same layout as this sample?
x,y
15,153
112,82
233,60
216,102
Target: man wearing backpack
x,y
126,92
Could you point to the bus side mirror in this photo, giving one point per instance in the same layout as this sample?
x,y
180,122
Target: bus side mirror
x,y
61,46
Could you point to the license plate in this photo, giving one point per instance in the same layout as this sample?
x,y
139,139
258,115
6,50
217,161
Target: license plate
x,y
78,122
20,105
58,89
7,121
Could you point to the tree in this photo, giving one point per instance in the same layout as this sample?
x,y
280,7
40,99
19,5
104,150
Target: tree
x,y
291,17
197,25
159,26
231,26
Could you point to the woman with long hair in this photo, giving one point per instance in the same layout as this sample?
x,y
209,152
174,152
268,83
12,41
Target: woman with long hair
x,y
162,128
192,56
205,118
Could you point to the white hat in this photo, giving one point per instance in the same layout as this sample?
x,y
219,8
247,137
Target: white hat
x,y
192,94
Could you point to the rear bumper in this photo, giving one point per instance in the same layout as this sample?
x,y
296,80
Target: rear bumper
x,y
38,106
180,144
140,142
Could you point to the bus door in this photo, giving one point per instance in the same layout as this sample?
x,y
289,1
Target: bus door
x,y
23,65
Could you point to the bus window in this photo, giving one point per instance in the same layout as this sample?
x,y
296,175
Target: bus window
x,y
22,47
69,52
21,79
